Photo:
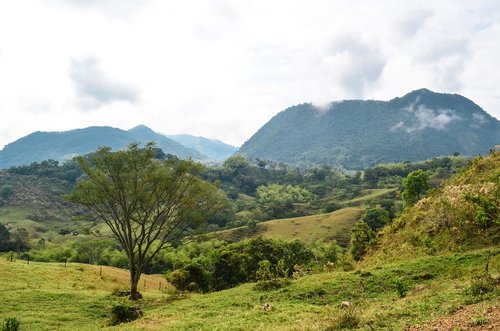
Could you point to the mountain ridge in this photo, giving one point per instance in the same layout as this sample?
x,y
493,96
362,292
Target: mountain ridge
x,y
356,134
63,145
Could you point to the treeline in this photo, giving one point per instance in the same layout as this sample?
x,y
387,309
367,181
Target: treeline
x,y
261,190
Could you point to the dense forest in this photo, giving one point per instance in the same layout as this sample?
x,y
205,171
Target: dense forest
x,y
357,134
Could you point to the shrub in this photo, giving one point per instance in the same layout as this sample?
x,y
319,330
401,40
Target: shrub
x,y
480,287
362,237
347,319
401,287
479,320
10,324
123,313
271,284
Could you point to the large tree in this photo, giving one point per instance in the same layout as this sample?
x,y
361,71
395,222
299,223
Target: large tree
x,y
415,185
146,202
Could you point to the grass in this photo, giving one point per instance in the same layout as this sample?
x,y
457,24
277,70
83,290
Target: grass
x,y
47,296
336,225
313,302
370,194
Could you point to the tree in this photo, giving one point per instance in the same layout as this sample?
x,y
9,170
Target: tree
x,y
20,240
91,250
4,238
376,217
146,202
279,200
415,185
361,238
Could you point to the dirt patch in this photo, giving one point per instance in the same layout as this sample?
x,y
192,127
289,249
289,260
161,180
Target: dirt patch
x,y
474,317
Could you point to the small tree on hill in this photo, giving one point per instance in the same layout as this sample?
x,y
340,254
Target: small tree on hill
x,y
4,238
415,185
361,238
146,202
376,217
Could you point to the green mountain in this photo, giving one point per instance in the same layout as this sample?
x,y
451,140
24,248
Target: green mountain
x,y
356,134
60,146
213,148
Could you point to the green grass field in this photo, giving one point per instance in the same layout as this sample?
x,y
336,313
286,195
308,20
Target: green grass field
x,y
332,226
48,296
370,194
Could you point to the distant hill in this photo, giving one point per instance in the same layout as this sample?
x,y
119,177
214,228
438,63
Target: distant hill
x,y
213,148
60,146
356,134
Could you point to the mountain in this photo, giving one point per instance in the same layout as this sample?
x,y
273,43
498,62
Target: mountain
x,y
356,134
61,146
213,148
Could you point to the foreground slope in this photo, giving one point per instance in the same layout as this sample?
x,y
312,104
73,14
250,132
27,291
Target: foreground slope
x,y
356,134
446,220
50,296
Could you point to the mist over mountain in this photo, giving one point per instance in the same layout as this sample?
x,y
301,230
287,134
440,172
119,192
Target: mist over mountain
x,y
356,134
60,146
213,148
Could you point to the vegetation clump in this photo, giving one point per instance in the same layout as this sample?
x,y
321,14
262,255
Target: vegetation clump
x,y
11,324
124,313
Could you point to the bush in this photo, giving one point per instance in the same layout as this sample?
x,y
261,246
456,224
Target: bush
x,y
347,319
362,237
6,191
401,287
123,313
271,284
10,324
480,287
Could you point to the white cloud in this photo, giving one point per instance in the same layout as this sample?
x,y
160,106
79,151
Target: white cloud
x,y
223,68
425,118
94,87
413,21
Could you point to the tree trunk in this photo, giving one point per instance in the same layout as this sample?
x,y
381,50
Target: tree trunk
x,y
135,275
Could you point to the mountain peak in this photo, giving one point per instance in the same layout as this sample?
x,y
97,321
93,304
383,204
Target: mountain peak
x,y
358,134
141,128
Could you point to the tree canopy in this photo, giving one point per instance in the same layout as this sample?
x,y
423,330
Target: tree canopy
x,y
415,185
146,202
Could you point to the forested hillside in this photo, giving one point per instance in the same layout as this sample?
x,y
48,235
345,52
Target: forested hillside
x,y
63,146
357,134
213,148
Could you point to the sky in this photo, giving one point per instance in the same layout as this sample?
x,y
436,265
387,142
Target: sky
x,y
222,69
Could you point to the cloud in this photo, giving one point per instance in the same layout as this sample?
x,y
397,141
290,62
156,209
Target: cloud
x,y
447,57
426,118
363,66
94,87
413,21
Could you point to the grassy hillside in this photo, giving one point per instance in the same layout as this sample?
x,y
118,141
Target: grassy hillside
x,y
35,203
49,296
436,286
332,226
446,220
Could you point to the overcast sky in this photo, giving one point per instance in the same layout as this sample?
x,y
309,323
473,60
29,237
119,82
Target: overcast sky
x,y
222,68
